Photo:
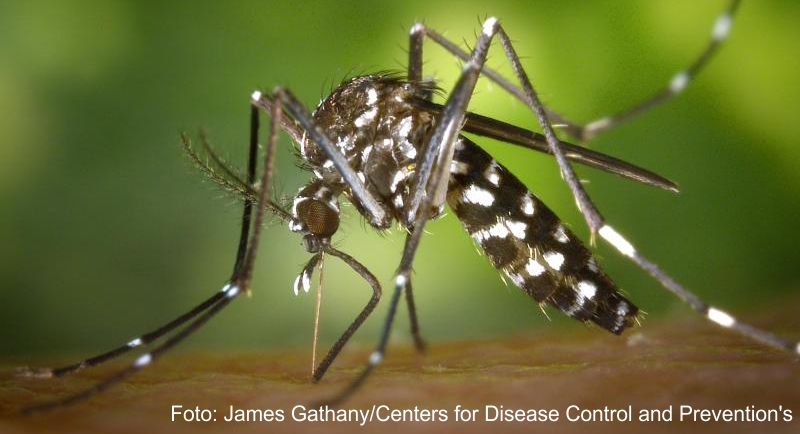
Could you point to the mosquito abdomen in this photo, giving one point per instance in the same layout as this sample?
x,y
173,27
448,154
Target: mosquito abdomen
x,y
527,241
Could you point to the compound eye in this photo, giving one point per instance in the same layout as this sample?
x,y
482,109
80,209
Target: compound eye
x,y
319,217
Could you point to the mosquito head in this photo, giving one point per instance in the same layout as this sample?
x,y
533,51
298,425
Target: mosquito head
x,y
315,213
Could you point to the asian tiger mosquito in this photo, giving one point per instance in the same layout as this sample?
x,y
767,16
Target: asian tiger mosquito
x,y
396,155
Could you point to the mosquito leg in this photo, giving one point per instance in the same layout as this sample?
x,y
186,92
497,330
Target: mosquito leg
x,y
714,314
592,215
290,126
142,340
245,260
149,337
419,31
365,312
240,280
247,212
442,140
228,291
419,343
679,81
377,355
676,85
415,38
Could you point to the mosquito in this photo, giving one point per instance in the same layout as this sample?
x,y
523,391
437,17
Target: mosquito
x,y
381,142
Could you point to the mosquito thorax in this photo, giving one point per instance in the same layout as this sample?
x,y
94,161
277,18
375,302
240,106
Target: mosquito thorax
x,y
372,120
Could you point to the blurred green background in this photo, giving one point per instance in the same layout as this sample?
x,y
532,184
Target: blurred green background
x,y
106,231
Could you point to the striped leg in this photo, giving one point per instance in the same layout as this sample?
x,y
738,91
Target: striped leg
x,y
150,337
676,85
229,291
145,339
239,282
714,314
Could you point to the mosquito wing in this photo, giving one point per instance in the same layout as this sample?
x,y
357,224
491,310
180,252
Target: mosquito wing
x,y
489,127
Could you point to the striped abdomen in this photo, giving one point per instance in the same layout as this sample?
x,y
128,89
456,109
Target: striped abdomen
x,y
526,240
